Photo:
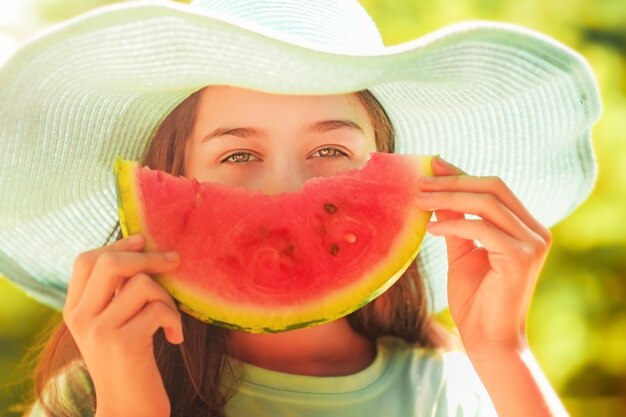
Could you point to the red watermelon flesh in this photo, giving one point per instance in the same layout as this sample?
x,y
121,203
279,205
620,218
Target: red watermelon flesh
x,y
261,262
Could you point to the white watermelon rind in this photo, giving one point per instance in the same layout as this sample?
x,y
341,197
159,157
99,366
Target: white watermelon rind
x,y
255,319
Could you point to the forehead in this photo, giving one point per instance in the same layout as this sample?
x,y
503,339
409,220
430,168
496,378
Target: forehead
x,y
225,103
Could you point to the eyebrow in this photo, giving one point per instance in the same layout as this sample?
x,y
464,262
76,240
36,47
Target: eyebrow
x,y
321,126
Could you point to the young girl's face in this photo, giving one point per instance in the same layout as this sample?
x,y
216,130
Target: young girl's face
x,y
273,143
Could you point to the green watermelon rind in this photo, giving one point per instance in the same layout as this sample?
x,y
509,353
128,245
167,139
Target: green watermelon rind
x,y
256,320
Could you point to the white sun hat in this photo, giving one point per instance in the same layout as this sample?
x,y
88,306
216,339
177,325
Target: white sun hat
x,y
492,98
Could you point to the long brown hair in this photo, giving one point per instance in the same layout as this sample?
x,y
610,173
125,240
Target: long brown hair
x,y
192,371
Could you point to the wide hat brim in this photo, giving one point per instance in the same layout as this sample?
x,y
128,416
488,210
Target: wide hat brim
x,y
492,98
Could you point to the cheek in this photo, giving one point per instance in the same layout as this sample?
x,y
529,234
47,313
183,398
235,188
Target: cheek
x,y
196,164
328,167
371,144
187,159
247,176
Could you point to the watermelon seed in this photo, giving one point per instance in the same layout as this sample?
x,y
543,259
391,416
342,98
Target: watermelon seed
x,y
198,199
289,249
334,249
350,238
330,208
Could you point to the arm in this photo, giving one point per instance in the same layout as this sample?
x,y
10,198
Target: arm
x,y
113,309
490,286
516,383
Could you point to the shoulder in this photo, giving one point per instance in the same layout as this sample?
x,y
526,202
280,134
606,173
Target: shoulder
x,y
446,379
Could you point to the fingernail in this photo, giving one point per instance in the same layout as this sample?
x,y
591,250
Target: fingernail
x,y
172,256
443,162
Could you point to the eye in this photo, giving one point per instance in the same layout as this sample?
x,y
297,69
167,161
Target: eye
x,y
329,153
239,157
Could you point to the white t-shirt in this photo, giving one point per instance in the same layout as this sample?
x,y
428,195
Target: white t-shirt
x,y
401,381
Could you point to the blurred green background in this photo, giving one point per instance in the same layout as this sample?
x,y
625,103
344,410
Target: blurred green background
x,y
577,324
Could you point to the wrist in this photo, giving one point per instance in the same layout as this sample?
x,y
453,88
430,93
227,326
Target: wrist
x,y
488,349
515,381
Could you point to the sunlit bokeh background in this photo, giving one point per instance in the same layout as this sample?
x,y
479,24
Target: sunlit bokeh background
x,y
577,324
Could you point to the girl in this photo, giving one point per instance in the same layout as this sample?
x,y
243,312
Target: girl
x,y
385,359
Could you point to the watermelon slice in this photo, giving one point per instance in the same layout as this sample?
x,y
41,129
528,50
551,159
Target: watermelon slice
x,y
269,263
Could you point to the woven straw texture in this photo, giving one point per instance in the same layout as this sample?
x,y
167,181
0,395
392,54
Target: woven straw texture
x,y
492,98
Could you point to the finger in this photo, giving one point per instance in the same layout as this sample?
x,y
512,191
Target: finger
x,y
112,267
153,316
493,185
490,237
139,290
485,205
442,167
506,255
83,265
451,178
456,247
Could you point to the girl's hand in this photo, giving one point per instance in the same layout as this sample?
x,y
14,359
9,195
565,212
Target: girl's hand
x,y
489,287
113,309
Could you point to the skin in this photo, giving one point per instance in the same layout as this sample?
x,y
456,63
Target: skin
x,y
280,157
490,287
113,308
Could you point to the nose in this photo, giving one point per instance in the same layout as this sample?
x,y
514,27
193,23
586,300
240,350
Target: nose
x,y
283,175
